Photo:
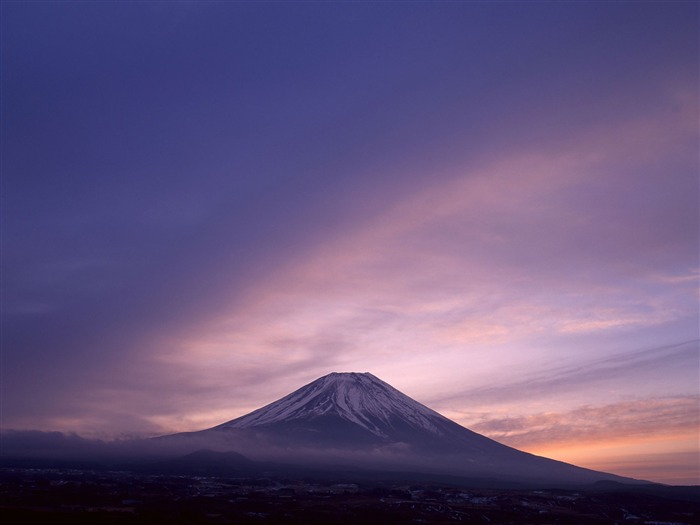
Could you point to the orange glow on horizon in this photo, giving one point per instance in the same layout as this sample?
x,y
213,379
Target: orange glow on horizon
x,y
638,457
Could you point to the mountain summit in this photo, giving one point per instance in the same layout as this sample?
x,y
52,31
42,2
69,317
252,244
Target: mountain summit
x,y
358,420
349,406
359,399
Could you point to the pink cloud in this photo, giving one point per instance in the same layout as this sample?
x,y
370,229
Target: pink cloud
x,y
623,421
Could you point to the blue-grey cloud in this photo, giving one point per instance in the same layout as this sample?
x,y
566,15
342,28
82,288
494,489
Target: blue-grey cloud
x,y
586,375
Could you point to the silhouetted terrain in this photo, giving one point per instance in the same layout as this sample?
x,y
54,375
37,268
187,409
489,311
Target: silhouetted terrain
x,y
61,495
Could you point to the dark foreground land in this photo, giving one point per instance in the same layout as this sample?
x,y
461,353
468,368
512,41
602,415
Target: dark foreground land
x,y
79,496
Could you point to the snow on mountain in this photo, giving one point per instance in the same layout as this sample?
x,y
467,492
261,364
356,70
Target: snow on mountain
x,y
358,398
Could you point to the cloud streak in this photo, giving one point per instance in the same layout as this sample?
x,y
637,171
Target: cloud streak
x,y
592,374
650,438
626,421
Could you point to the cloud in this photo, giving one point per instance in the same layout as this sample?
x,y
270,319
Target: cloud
x,y
587,374
649,438
60,445
625,421
34,444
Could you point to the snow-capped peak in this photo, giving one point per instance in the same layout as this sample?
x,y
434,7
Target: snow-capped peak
x,y
360,398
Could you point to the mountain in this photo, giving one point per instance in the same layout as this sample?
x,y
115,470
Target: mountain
x,y
353,410
356,419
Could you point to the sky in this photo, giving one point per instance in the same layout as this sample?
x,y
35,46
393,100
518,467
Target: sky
x,y
492,206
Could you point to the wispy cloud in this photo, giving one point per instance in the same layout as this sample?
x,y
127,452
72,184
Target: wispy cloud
x,y
589,374
630,421
649,438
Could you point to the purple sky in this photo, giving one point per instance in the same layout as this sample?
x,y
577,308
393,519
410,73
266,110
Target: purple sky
x,y
491,206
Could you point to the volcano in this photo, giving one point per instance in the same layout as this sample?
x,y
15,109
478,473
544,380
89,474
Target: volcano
x,y
358,420
354,410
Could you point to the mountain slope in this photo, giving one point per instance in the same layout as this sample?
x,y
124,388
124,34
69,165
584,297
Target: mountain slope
x,y
357,419
361,399
353,409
